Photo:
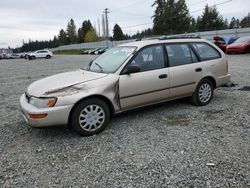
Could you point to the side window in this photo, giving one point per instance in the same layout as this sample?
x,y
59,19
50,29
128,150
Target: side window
x,y
206,52
180,54
150,58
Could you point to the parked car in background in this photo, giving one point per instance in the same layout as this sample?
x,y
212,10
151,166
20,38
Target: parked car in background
x,y
126,77
101,51
86,51
222,41
21,55
40,54
26,54
94,50
241,45
12,56
1,54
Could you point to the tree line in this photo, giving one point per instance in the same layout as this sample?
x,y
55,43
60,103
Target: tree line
x,y
170,17
173,17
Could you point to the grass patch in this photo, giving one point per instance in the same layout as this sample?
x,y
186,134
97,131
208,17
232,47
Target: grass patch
x,y
68,52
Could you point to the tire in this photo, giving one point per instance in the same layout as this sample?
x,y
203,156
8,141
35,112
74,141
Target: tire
x,y
48,56
203,93
32,58
89,117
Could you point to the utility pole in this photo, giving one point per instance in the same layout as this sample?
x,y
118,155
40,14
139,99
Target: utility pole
x,y
106,12
103,26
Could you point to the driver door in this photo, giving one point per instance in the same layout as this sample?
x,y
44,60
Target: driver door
x,y
149,85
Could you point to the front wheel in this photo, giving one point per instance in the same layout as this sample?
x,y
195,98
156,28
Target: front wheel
x,y
203,93
32,58
48,56
90,117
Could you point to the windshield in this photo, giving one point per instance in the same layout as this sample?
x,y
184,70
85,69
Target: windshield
x,y
110,61
242,39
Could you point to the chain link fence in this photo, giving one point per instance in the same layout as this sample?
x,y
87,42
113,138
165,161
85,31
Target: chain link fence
x,y
108,44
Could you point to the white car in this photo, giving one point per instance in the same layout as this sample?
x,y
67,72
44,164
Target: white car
x,y
40,54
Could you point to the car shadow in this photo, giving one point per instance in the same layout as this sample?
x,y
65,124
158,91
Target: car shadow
x,y
62,131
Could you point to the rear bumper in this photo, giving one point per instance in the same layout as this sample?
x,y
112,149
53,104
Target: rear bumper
x,y
55,115
222,80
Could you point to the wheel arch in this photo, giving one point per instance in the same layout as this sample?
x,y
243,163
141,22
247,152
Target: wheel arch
x,y
211,79
103,98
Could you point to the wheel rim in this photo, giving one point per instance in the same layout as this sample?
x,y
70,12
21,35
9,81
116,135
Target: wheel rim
x,y
205,92
91,118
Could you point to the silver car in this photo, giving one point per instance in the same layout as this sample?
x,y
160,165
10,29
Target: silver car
x,y
126,77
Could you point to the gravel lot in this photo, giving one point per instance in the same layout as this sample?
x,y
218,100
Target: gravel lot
x,y
170,145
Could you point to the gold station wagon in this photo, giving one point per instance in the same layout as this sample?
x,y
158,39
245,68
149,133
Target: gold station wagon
x,y
128,76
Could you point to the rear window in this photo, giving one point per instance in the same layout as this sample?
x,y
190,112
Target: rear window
x,y
180,54
206,52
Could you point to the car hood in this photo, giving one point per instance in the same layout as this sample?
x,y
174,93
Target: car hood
x,y
60,81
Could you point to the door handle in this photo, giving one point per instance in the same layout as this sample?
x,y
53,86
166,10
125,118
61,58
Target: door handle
x,y
163,76
198,69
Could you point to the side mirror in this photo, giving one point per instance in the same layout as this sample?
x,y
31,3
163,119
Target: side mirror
x,y
132,69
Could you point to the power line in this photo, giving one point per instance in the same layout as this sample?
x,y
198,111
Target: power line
x,y
212,6
126,20
197,3
131,26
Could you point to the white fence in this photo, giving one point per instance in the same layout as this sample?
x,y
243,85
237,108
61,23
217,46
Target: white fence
x,y
104,44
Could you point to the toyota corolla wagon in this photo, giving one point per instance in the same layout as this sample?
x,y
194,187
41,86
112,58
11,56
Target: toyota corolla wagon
x,y
126,77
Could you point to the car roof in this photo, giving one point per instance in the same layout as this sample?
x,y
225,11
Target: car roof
x,y
140,44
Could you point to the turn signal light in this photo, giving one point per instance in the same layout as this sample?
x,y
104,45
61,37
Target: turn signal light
x,y
51,102
38,116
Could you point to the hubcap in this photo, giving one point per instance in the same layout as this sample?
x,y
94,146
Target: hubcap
x,y
205,92
91,118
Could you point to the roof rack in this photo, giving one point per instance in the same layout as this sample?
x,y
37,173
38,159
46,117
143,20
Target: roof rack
x,y
181,36
148,38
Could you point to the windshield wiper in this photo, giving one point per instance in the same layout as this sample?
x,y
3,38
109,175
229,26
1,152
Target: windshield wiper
x,y
99,66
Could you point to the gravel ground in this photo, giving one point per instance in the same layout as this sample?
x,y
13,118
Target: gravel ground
x,y
173,144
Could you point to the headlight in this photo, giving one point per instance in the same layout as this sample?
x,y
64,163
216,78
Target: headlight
x,y
42,102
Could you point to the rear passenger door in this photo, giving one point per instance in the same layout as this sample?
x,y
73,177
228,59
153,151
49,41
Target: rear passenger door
x,y
185,70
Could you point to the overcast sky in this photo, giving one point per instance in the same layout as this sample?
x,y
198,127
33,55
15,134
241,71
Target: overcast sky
x,y
41,20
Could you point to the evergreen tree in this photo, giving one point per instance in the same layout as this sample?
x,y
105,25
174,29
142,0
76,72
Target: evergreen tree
x,y
237,23
211,19
82,31
62,37
198,23
245,22
193,25
171,17
232,23
71,31
117,33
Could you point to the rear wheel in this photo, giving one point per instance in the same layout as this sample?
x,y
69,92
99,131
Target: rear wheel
x,y
90,117
203,93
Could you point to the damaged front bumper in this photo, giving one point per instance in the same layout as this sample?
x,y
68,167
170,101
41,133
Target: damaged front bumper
x,y
57,115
